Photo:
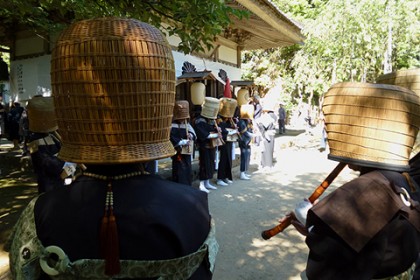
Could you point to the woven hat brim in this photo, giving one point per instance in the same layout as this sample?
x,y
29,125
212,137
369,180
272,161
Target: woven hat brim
x,y
372,162
116,154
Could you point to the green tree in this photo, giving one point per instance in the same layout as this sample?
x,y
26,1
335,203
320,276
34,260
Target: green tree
x,y
345,41
195,22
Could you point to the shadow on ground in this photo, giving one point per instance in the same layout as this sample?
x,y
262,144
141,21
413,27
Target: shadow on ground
x,y
17,188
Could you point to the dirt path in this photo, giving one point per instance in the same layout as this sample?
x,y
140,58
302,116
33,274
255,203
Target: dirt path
x,y
244,209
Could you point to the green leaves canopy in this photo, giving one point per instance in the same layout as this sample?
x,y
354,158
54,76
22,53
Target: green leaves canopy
x,y
346,40
196,22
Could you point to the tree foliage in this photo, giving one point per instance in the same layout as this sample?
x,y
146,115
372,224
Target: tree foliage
x,y
196,22
346,40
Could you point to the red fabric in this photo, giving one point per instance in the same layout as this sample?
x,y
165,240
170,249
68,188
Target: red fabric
x,y
227,92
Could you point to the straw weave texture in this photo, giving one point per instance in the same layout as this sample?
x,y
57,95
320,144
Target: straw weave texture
x,y
247,111
404,78
408,79
210,108
113,83
41,114
227,107
371,124
181,110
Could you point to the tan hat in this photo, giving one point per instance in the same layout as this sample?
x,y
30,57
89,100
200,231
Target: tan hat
x,y
373,125
113,82
242,96
404,78
41,114
181,110
247,111
210,108
227,107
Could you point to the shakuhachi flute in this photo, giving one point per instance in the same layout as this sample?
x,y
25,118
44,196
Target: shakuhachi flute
x,y
186,134
267,234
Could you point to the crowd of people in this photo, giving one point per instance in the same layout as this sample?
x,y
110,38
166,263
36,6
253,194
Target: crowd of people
x,y
212,135
219,128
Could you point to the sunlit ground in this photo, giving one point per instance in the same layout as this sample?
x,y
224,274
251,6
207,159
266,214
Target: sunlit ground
x,y
242,211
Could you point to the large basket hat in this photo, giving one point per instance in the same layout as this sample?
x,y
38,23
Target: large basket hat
x,y
181,110
113,82
243,96
404,78
41,114
227,107
210,108
247,111
373,125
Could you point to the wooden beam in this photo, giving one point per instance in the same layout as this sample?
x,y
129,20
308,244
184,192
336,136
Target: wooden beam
x,y
215,53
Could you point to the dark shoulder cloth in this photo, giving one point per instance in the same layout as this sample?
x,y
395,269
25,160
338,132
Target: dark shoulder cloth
x,y
359,209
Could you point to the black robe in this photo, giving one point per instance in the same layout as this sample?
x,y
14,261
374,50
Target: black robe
x,y
46,165
203,127
181,163
156,219
224,170
362,230
244,141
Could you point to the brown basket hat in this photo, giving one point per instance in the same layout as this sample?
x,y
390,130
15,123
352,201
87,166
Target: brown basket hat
x,y
113,82
372,125
181,110
41,114
247,111
227,107
243,96
210,108
404,78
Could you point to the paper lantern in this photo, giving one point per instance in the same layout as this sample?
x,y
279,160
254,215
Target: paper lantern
x,y
198,92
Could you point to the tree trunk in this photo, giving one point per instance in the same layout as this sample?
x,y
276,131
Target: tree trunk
x,y
388,52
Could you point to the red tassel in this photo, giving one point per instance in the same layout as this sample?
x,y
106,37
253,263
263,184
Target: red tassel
x,y
108,237
103,234
112,256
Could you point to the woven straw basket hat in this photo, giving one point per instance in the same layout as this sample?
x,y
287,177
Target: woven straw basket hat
x,y
404,78
181,110
247,111
113,82
373,125
41,114
227,107
210,108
